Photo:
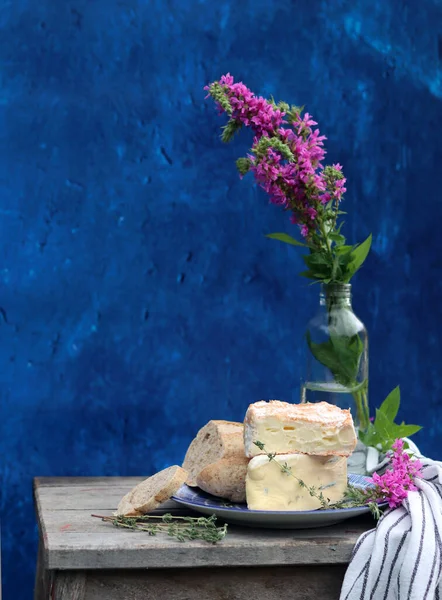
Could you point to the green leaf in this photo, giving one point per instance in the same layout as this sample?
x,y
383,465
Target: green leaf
x,y
384,431
307,274
344,249
284,237
370,436
390,406
335,268
344,260
321,272
316,258
341,355
407,430
359,254
383,426
325,354
337,237
349,351
319,264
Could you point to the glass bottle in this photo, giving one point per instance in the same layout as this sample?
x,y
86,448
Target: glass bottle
x,y
337,355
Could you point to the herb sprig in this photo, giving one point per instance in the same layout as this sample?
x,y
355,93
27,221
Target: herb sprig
x,y
180,528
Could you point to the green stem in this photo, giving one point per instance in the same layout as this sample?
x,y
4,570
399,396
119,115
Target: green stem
x,y
362,412
325,236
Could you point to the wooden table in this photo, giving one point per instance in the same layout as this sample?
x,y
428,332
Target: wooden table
x,y
82,558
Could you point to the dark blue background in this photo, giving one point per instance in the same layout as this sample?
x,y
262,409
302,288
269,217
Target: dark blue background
x,y
139,296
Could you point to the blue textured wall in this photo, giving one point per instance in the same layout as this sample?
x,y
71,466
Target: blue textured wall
x,y
138,295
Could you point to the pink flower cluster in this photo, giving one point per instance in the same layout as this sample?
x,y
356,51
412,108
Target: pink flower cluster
x,y
252,111
394,485
301,185
289,186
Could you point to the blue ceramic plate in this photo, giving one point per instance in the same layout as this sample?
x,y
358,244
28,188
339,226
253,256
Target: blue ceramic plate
x,y
239,514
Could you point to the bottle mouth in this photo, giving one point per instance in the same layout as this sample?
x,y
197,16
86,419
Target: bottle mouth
x,y
336,290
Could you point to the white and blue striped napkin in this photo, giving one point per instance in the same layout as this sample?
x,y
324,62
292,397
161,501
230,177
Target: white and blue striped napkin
x,y
402,558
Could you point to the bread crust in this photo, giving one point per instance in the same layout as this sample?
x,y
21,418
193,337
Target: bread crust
x,y
215,441
226,478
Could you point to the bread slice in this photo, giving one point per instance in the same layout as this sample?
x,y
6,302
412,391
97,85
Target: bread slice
x,y
215,441
318,428
149,494
225,478
125,508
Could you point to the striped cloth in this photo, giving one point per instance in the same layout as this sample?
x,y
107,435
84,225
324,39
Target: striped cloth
x,y
402,558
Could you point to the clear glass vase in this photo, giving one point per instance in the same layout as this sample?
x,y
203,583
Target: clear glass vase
x,y
337,355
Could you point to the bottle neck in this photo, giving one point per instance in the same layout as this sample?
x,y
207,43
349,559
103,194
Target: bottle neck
x,y
335,295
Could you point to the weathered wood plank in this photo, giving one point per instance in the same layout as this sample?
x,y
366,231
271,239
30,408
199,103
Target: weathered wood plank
x,y
74,540
88,501
83,498
135,550
70,482
69,586
290,583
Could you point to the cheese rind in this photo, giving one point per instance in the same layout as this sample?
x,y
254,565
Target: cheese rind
x,y
318,429
269,488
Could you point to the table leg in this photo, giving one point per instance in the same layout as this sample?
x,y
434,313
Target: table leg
x,y
42,577
68,585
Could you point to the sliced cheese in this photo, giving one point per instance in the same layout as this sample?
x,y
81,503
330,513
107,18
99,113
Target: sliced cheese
x,y
269,488
318,428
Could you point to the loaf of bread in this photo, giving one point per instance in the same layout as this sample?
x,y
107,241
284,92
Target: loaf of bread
x,y
152,492
225,478
319,428
216,441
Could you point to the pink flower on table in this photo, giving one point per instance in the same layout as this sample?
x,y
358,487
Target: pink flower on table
x,y
394,485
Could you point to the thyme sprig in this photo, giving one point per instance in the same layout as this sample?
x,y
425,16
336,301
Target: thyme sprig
x,y
353,495
181,528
